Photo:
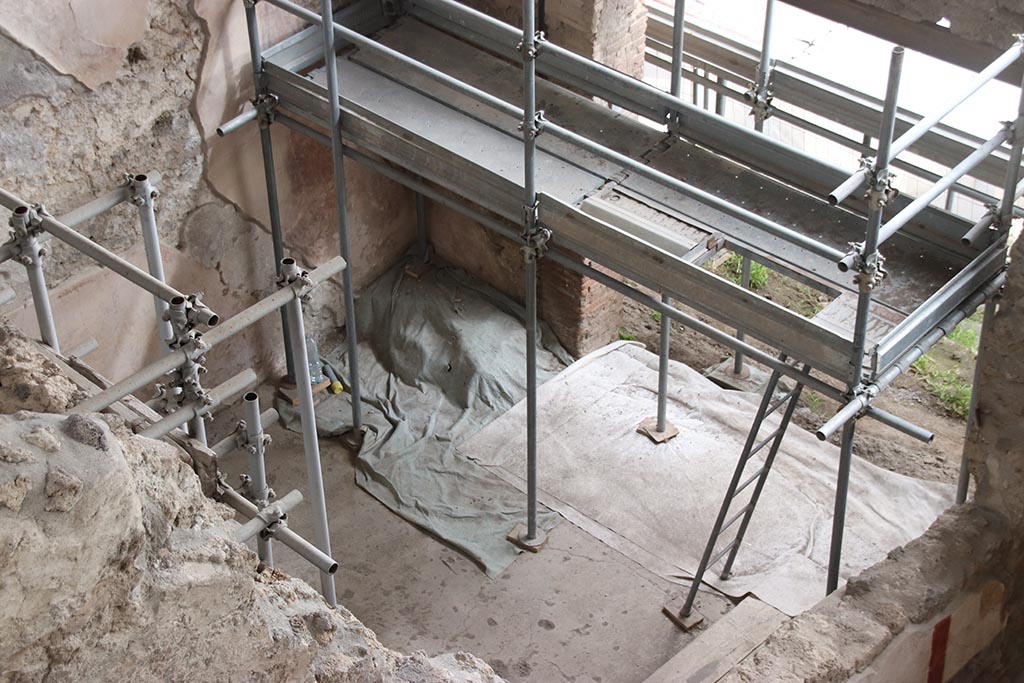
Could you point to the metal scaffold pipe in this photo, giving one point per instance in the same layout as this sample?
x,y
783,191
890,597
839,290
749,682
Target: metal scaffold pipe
x,y
869,267
338,162
306,550
911,210
256,444
96,252
190,412
31,255
143,196
533,249
217,335
307,415
264,102
678,30
919,129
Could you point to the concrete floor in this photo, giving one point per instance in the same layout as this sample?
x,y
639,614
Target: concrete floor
x,y
577,611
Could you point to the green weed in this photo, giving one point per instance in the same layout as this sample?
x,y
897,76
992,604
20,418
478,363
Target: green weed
x,y
732,269
626,335
953,393
656,316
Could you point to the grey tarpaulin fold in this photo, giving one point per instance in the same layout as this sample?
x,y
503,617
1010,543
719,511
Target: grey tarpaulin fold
x,y
441,356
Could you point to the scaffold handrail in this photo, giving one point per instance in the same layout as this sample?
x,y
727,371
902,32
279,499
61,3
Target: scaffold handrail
x,y
919,129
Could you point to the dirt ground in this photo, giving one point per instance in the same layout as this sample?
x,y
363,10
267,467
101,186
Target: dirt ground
x,y
909,397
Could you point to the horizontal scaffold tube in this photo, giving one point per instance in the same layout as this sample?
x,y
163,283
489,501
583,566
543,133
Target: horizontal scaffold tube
x,y
217,335
637,167
919,129
231,441
272,514
188,412
301,546
910,211
104,202
103,256
88,211
864,399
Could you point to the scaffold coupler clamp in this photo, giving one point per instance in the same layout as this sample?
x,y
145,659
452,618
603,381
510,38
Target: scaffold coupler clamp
x,y
25,225
761,93
869,268
537,125
266,106
292,275
139,188
535,48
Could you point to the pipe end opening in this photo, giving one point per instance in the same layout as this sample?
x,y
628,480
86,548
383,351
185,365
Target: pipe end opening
x,y
141,178
178,301
21,211
333,568
287,261
833,200
213,320
250,397
821,436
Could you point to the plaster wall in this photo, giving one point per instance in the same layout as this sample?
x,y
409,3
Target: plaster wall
x,y
92,90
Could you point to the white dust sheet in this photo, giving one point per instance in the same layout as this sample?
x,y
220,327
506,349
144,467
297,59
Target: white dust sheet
x,y
657,503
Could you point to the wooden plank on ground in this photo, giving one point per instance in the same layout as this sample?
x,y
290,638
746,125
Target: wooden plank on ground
x,y
723,645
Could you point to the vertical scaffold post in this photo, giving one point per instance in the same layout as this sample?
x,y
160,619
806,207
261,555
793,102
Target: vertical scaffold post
x,y
665,326
678,27
264,103
868,264
337,156
255,444
143,196
738,369
24,224
534,238
761,93
290,274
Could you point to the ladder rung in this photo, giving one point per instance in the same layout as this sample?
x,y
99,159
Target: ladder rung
x,y
766,441
732,520
775,406
722,552
749,481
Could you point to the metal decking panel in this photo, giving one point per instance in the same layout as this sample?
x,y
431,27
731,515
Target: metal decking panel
x,y
696,287
916,268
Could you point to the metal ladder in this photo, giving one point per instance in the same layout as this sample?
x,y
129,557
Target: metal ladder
x,y
768,406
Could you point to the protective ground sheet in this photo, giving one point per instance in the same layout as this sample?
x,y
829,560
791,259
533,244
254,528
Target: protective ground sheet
x,y
660,501
440,356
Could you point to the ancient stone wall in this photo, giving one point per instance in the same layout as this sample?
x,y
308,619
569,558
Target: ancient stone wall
x,y
115,566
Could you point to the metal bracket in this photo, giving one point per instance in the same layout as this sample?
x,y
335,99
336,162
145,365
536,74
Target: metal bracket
x,y
880,190
870,270
266,104
292,274
761,93
535,244
538,44
250,3
539,122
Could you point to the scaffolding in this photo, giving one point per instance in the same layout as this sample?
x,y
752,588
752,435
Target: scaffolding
x,y
189,329
418,124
